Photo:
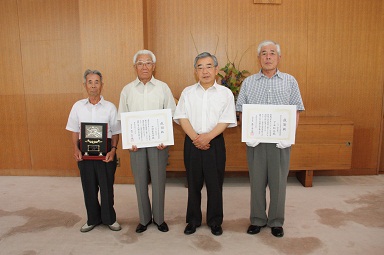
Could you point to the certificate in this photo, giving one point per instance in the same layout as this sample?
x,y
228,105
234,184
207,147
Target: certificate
x,y
147,128
268,123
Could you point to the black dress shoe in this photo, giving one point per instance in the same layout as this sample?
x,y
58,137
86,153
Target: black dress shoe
x,y
254,229
277,231
141,228
216,230
190,229
163,227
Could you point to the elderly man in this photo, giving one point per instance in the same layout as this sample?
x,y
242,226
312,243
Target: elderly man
x,y
147,93
96,174
204,111
268,163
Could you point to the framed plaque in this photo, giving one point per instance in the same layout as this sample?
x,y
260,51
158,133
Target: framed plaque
x,y
94,140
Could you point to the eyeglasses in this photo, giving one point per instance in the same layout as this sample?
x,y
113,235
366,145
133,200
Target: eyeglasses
x,y
140,64
208,68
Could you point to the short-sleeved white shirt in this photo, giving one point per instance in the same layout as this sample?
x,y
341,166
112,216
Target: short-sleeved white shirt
x,y
155,95
102,112
206,108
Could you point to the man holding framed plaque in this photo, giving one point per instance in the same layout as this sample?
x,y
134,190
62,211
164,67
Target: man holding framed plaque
x,y
268,153
204,111
146,94
95,135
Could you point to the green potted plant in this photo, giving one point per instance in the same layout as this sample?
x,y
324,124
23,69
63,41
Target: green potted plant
x,y
232,78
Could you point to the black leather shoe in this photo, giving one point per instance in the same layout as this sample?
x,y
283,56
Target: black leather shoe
x,y
216,230
254,229
277,231
141,228
163,227
190,229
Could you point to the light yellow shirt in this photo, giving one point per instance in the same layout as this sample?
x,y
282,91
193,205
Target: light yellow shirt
x,y
155,95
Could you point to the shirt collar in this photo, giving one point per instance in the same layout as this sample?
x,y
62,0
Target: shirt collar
x,y
213,86
102,101
138,82
277,74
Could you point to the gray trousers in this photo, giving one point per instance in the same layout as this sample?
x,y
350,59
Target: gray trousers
x,y
151,161
268,165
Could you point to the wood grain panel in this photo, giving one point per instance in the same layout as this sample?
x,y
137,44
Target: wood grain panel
x,y
321,144
176,152
111,33
333,48
178,31
249,24
13,131
345,78
50,45
10,56
236,150
320,157
51,146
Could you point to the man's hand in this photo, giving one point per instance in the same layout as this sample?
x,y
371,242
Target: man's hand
x,y
110,156
283,145
254,143
161,146
202,141
78,155
134,148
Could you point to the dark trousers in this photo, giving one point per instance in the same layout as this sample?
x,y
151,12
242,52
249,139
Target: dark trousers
x,y
205,166
95,175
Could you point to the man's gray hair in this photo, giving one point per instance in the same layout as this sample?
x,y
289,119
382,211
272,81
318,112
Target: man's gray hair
x,y
206,55
268,42
89,71
144,52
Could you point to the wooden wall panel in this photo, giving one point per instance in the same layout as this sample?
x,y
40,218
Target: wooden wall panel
x,y
174,26
250,23
10,56
333,48
50,47
13,128
111,33
14,133
321,46
345,70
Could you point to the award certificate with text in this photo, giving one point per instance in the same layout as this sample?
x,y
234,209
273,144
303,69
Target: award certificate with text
x,y
268,123
147,128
